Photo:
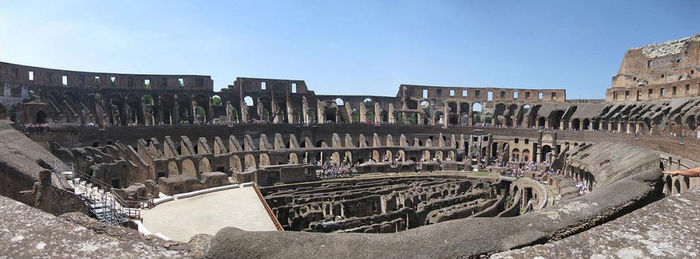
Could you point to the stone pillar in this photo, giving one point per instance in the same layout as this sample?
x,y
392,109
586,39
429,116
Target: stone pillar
x,y
377,113
305,110
209,111
290,110
193,111
320,112
363,113
459,114
176,111
391,113
445,114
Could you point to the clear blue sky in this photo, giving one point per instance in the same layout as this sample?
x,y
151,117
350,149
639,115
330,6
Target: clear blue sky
x,y
348,47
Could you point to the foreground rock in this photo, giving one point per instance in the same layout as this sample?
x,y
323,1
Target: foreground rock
x,y
28,232
665,229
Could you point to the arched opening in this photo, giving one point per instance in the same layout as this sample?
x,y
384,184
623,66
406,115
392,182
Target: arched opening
x,y
545,151
540,122
41,117
515,154
526,155
172,168
477,113
690,121
668,185
216,101
464,113
555,119
494,149
235,164
676,186
248,101
339,102
384,116
165,109
453,116
204,165
576,124
188,168
586,124
264,160
250,162
321,143
293,158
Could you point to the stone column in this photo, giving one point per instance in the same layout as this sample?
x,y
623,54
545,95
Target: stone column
x,y
305,110
209,111
377,113
363,113
176,111
290,110
391,113
445,114
320,114
159,106
193,110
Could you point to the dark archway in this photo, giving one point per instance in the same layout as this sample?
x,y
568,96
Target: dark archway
x,y
41,117
545,151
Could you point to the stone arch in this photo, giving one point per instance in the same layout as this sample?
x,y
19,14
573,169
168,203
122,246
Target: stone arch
x,y
576,124
250,162
235,164
494,149
477,113
545,151
401,156
586,124
166,104
676,186
526,155
499,111
515,154
668,185
293,158
248,101
541,122
348,157
453,116
690,121
464,109
264,160
388,155
188,168
204,165
426,155
375,156
172,168
335,158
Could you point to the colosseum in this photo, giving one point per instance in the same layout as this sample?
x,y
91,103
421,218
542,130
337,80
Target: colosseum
x,y
98,164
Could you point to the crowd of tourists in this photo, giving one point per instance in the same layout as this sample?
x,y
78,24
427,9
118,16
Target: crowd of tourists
x,y
329,170
35,128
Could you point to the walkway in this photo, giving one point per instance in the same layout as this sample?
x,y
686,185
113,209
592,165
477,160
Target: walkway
x,y
208,213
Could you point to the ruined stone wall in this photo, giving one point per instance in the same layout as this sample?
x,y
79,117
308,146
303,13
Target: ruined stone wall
x,y
651,68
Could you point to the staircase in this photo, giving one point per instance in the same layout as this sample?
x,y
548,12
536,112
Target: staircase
x,y
105,205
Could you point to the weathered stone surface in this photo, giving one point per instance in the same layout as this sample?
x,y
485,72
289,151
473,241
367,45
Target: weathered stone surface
x,y
665,229
28,232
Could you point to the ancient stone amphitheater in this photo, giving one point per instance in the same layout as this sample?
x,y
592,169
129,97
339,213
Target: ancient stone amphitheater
x,y
96,164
